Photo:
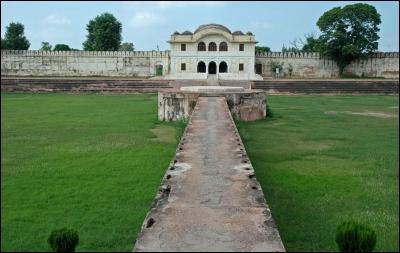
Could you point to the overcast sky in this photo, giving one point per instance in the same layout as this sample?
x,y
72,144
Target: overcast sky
x,y
149,24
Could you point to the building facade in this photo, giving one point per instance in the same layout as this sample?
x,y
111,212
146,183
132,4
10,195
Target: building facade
x,y
212,52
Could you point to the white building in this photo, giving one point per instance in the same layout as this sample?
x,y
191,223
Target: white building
x,y
212,52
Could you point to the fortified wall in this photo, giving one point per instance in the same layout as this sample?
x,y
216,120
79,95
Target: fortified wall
x,y
150,63
312,65
83,63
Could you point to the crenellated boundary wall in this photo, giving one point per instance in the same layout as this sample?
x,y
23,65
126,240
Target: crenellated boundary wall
x,y
150,63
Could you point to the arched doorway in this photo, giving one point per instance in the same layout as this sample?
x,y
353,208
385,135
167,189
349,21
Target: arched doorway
x,y
223,67
212,68
201,67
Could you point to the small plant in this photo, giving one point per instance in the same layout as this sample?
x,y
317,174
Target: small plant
x,y
276,65
269,112
354,237
63,240
290,68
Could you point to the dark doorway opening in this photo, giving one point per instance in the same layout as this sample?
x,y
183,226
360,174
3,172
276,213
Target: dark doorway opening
x,y
159,70
223,67
201,67
212,68
259,68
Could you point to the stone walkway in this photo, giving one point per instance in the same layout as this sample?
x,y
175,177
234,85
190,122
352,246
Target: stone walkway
x,y
210,199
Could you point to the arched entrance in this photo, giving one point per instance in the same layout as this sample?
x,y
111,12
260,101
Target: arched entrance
x,y
212,68
201,67
223,67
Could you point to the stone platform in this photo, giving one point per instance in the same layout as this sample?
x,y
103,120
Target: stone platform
x,y
209,199
244,104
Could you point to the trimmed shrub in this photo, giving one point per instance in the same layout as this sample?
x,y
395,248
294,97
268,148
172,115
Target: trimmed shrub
x,y
269,112
355,237
63,240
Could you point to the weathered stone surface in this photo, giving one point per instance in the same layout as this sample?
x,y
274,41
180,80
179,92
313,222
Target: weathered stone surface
x,y
210,199
82,63
143,64
312,65
244,104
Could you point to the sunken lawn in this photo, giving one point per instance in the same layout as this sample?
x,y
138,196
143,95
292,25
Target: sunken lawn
x,y
322,160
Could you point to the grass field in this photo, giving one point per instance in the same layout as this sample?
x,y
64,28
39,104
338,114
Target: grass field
x,y
94,163
324,159
88,162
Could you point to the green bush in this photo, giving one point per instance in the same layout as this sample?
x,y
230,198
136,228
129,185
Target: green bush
x,y
63,240
355,237
269,112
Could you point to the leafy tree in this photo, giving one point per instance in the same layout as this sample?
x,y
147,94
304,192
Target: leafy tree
x,y
289,49
126,46
312,44
104,33
45,46
263,49
14,38
61,47
349,33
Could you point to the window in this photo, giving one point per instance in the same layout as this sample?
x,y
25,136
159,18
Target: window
x,y
183,47
201,46
241,66
241,47
212,46
183,66
223,46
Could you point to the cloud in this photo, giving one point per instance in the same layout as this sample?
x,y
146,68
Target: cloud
x,y
259,24
57,20
175,4
146,19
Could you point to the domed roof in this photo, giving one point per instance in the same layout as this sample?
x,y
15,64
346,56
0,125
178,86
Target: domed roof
x,y
238,33
187,33
217,26
176,33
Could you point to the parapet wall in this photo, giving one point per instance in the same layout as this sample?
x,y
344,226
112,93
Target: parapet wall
x,y
82,63
312,65
143,64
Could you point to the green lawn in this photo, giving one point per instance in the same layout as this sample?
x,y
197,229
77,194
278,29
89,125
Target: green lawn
x,y
322,160
94,163
88,162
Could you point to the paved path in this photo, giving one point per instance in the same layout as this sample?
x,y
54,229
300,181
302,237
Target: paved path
x,y
210,199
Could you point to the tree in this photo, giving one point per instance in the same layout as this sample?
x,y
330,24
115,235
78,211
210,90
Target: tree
x,y
14,38
126,46
61,47
263,49
349,33
292,49
45,46
104,33
312,44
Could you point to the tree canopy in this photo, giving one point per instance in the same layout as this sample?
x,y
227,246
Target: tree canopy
x,y
45,46
126,46
263,49
14,38
349,33
104,33
61,47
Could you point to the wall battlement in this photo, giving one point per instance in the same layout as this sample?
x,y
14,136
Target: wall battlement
x,y
317,55
86,53
145,64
